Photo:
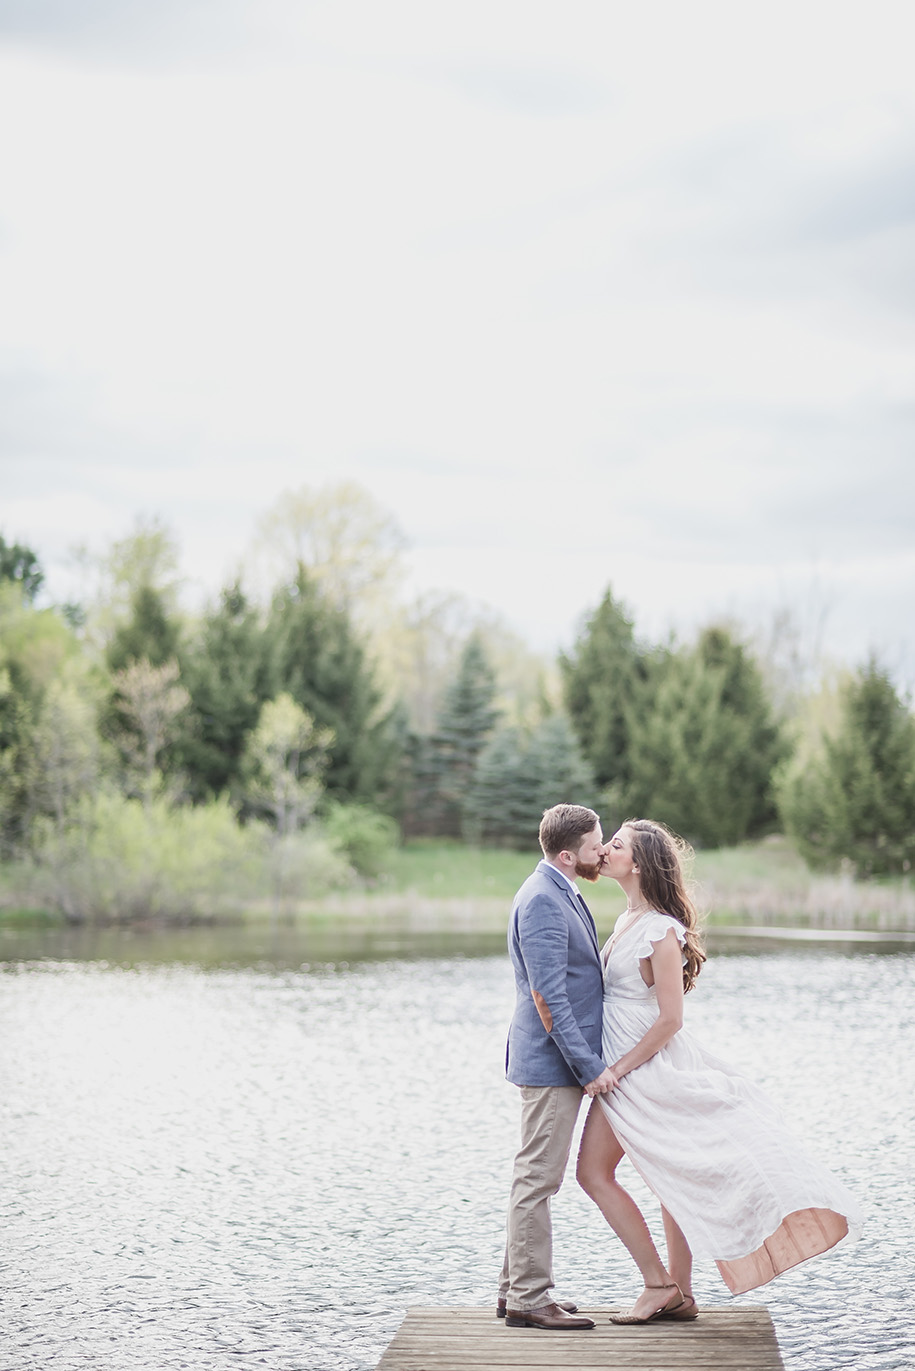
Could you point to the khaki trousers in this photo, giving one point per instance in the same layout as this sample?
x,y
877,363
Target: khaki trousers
x,y
548,1114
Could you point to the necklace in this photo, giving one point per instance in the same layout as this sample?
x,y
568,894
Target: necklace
x,y
634,913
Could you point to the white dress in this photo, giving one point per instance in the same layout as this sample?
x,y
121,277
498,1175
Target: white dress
x,y
708,1142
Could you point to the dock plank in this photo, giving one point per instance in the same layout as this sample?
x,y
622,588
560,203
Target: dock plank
x,y
454,1339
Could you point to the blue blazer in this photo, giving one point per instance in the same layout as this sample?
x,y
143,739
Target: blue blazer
x,y
555,1032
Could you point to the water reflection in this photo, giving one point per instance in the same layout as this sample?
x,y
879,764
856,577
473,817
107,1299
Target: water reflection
x,y
290,947
268,1162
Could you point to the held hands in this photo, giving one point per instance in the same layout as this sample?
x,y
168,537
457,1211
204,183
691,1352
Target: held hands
x,y
602,1084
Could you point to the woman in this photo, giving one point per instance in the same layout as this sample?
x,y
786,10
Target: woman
x,y
733,1184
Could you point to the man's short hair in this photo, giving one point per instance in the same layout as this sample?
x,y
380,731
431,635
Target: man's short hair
x,y
564,827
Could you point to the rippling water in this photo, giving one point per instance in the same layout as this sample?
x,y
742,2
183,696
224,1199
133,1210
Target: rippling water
x,y
264,1167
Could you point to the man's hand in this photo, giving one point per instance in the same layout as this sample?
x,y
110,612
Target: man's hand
x,y
602,1084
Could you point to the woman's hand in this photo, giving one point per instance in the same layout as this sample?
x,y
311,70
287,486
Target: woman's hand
x,y
602,1084
666,963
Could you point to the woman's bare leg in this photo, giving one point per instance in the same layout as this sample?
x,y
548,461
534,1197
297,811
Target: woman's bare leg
x,y
679,1257
598,1158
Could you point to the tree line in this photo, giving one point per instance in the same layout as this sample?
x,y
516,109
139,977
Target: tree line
x,y
150,760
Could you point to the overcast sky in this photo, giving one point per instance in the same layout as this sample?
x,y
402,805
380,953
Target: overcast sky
x,y
583,293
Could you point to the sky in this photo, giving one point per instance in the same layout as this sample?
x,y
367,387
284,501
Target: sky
x,y
585,295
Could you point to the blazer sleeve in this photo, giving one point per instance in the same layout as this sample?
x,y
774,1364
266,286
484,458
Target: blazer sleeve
x,y
544,942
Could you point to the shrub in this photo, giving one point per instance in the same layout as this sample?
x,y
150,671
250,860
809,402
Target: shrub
x,y
366,837
115,860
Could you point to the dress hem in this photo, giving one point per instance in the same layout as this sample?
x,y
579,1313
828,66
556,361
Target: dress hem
x,y
801,1235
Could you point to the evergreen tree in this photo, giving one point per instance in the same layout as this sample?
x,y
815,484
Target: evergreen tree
x,y
227,674
559,772
315,656
467,717
600,676
703,744
151,633
521,773
854,799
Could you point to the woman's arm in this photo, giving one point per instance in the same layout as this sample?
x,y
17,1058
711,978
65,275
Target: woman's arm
x,y
667,966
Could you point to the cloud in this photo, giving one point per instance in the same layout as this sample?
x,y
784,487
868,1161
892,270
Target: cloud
x,y
623,297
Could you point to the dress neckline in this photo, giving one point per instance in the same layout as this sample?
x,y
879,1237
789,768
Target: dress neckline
x,y
618,934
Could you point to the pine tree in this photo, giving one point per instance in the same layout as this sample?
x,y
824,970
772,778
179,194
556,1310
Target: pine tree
x,y
703,744
151,633
853,801
599,676
226,671
315,656
520,774
467,717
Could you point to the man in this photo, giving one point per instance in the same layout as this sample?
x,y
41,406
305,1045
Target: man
x,y
553,1053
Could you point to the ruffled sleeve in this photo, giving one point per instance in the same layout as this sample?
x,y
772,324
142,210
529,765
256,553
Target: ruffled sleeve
x,y
653,929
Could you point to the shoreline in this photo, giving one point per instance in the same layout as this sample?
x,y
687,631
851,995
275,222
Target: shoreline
x,y
410,913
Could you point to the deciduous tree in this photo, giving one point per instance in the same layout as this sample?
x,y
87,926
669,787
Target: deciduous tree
x,y
20,564
150,699
284,759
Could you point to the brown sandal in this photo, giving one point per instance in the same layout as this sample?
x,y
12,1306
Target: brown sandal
x,y
666,1311
687,1310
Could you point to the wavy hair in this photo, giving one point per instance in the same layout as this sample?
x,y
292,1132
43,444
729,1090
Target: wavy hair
x,y
661,857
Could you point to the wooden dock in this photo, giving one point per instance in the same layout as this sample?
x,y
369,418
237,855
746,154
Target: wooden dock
x,y
721,1339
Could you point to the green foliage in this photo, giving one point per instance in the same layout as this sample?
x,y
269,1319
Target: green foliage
x,y
518,775
315,656
150,632
225,671
16,722
34,643
349,543
36,649
118,860
148,701
703,743
66,754
285,756
600,676
467,717
366,837
20,565
851,798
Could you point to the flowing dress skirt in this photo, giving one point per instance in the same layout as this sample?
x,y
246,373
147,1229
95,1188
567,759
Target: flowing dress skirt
x,y
709,1143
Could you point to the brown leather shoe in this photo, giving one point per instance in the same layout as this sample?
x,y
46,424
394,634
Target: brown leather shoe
x,y
567,1305
545,1316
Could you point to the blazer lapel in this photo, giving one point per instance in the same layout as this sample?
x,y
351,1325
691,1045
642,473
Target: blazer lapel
x,y
578,902
587,919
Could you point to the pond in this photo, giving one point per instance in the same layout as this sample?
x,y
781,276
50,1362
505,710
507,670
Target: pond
x,y
225,1150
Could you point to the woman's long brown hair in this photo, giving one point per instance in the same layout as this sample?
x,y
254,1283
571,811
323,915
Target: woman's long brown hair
x,y
660,856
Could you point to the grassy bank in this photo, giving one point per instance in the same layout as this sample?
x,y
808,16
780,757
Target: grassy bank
x,y
449,886
765,884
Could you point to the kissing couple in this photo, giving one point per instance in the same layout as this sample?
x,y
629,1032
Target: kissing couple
x,y
733,1184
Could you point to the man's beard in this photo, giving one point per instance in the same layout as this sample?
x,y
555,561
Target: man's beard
x,y
588,871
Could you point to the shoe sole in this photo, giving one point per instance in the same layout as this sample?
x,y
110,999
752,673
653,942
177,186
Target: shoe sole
x,y
559,1328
